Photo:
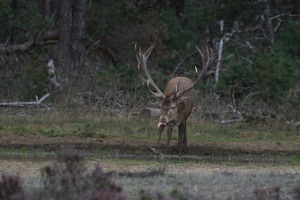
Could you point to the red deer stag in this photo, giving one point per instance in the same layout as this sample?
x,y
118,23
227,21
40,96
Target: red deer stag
x,y
177,101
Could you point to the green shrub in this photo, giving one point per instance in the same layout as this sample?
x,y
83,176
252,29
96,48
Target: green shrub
x,y
270,75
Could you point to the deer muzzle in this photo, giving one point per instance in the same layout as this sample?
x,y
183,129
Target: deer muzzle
x,y
163,121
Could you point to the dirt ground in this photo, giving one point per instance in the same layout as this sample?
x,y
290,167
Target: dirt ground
x,y
39,142
263,165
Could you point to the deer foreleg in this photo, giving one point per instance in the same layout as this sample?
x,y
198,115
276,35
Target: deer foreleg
x,y
160,130
169,135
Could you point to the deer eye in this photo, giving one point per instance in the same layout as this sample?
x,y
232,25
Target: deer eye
x,y
173,107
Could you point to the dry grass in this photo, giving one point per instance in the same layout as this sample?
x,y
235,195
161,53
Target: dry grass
x,y
183,180
81,124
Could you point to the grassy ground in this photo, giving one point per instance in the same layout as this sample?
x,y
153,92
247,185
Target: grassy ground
x,y
85,126
213,178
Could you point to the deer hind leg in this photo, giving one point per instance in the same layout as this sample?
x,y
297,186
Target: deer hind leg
x,y
182,141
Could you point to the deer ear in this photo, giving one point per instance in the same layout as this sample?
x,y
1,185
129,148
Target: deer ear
x,y
173,97
160,98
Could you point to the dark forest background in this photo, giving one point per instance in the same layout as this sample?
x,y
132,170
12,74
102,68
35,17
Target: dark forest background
x,y
82,52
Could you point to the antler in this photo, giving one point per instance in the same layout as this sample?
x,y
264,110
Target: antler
x,y
142,61
205,65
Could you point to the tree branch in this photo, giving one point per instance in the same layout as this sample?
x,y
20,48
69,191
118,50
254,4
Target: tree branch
x,y
25,104
185,58
48,36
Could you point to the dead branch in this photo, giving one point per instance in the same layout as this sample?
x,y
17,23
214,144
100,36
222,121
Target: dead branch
x,y
114,56
52,74
235,111
285,15
231,121
270,24
237,114
48,36
185,58
293,123
18,48
38,102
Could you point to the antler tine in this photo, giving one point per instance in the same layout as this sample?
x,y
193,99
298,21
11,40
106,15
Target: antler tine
x,y
205,65
202,56
207,62
149,50
142,61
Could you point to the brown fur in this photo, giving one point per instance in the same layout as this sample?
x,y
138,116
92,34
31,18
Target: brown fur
x,y
175,111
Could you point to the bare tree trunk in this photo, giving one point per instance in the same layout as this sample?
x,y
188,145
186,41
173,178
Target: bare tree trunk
x,y
220,51
78,33
179,6
65,24
72,36
270,24
45,8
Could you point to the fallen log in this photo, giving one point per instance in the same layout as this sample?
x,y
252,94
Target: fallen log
x,y
229,121
148,113
38,102
47,36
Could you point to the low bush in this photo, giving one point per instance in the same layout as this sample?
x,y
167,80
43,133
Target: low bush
x,y
70,179
67,180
